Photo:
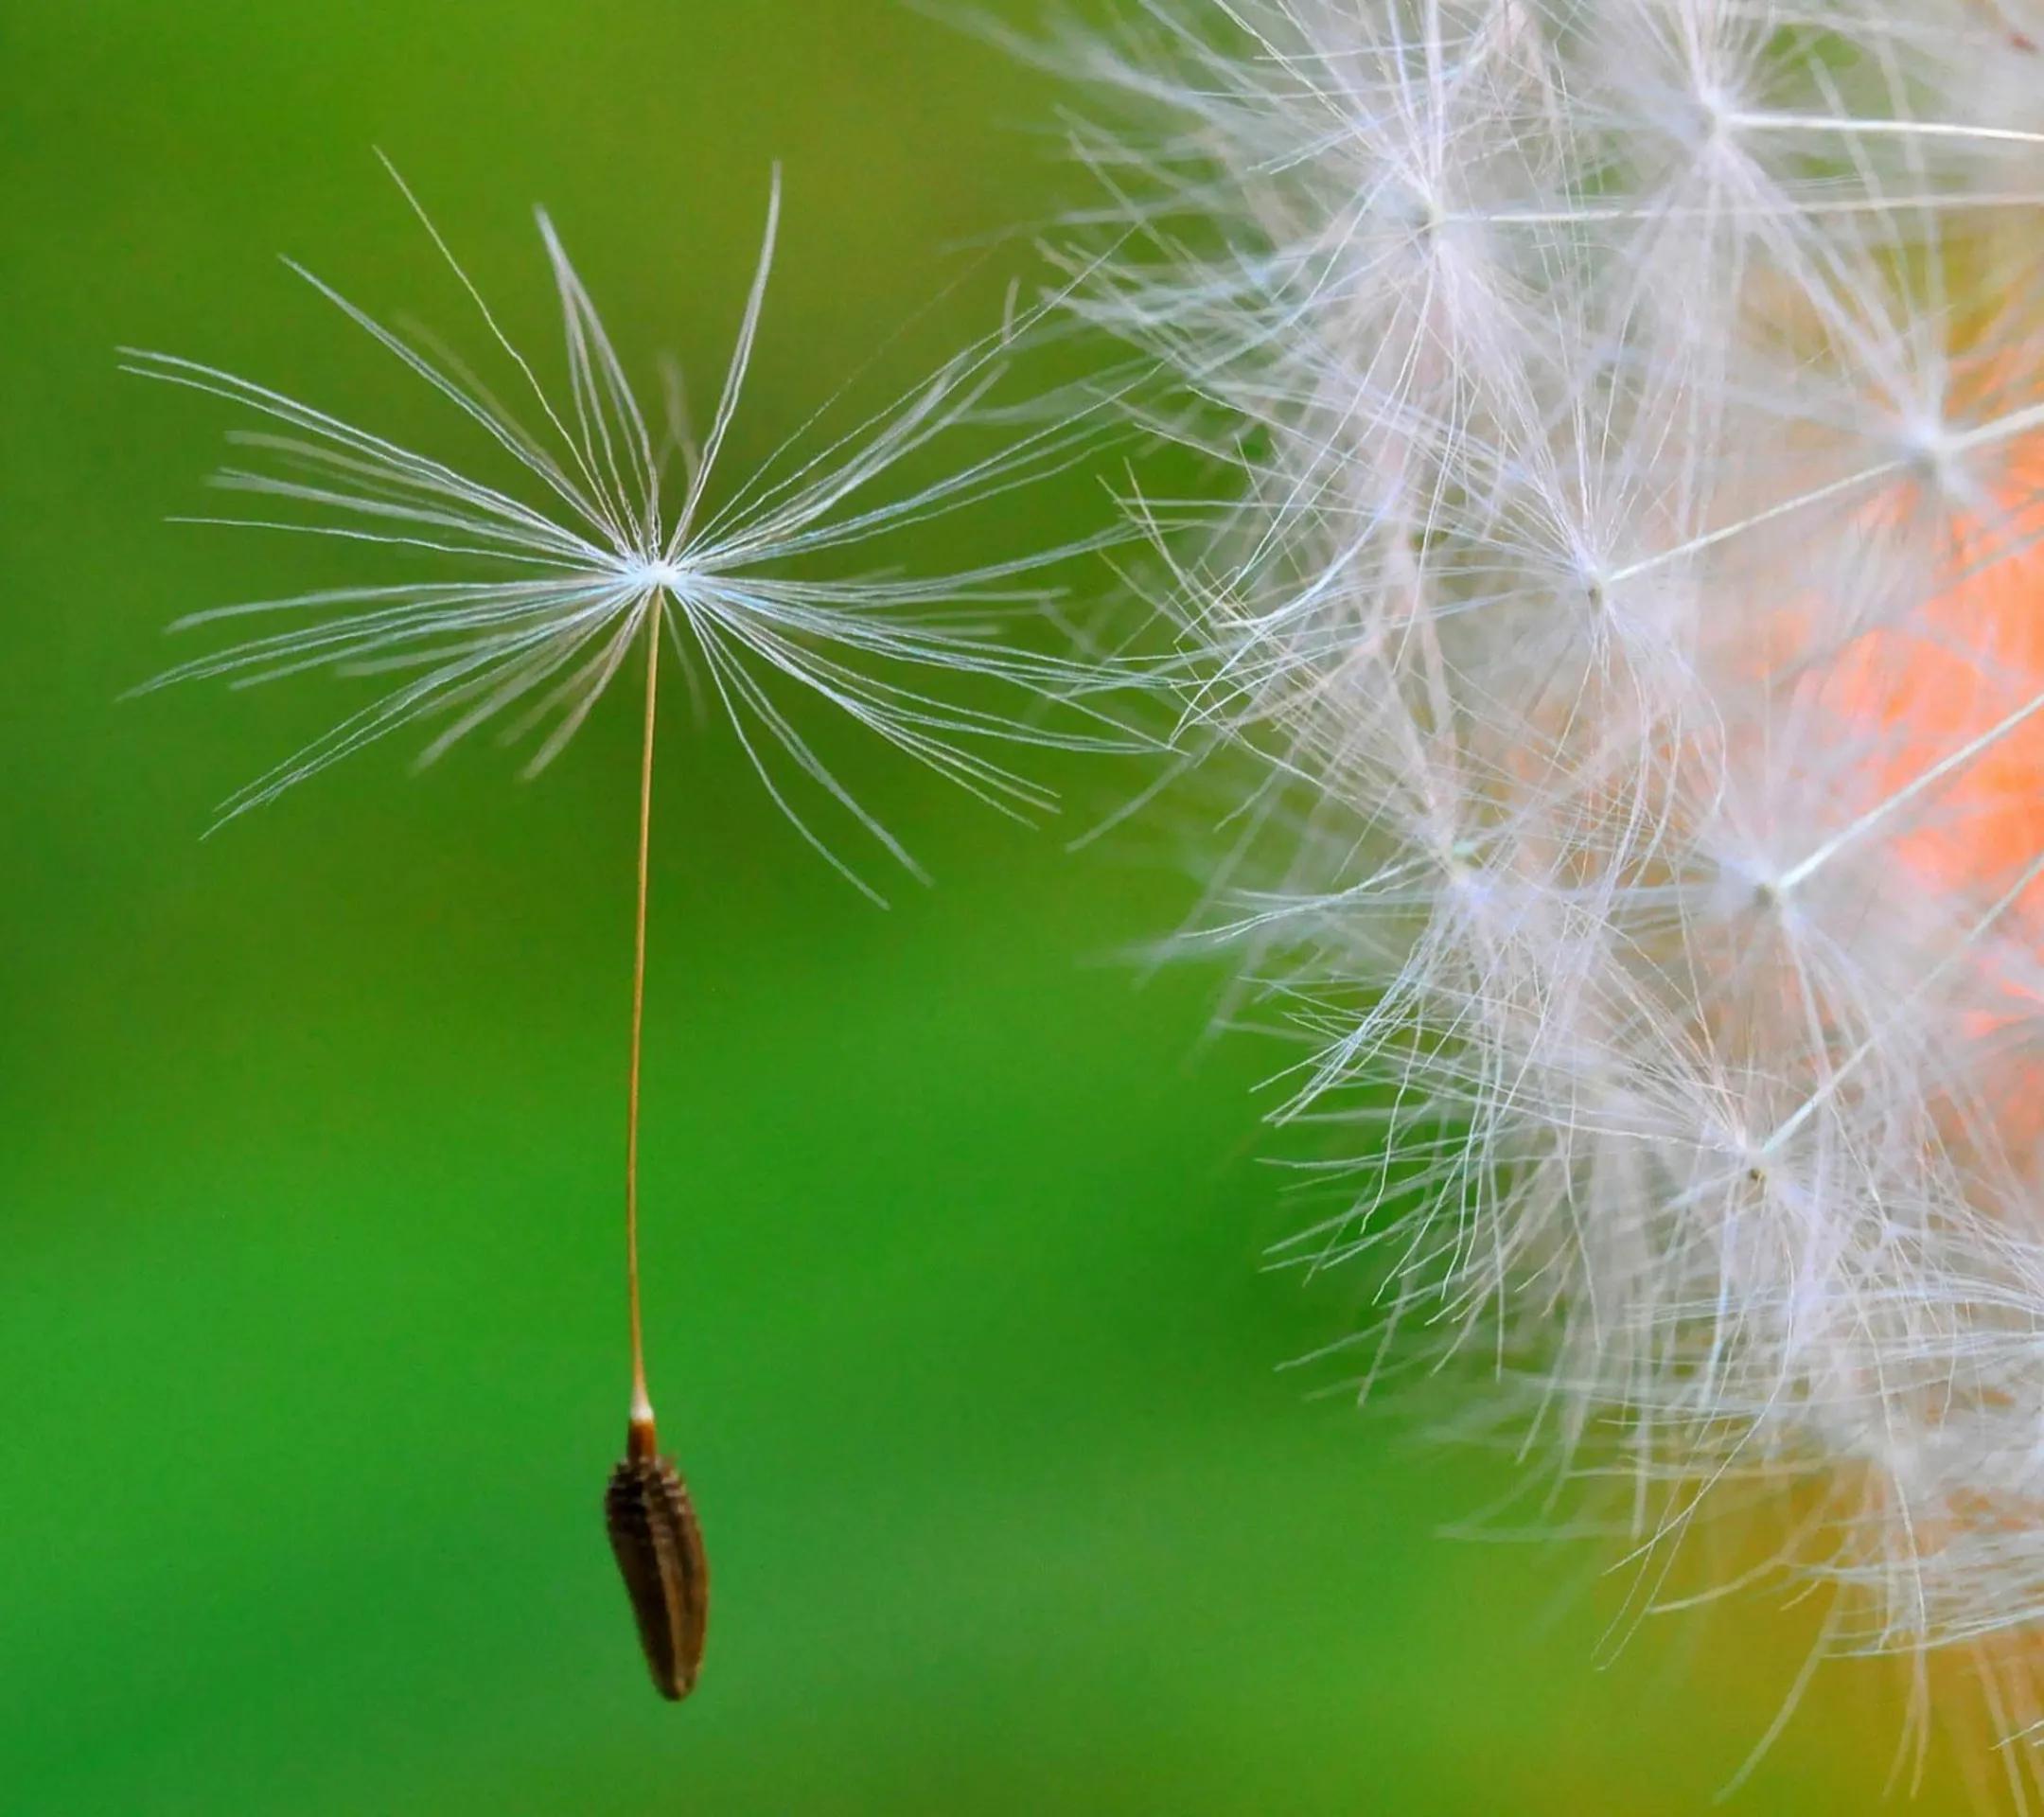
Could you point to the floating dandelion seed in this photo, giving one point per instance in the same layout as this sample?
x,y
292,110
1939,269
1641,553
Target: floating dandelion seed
x,y
568,588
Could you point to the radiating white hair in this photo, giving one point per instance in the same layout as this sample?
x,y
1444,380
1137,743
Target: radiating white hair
x,y
535,590
1636,409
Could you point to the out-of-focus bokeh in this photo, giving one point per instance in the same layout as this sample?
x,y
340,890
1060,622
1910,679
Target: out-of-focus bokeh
x,y
310,1332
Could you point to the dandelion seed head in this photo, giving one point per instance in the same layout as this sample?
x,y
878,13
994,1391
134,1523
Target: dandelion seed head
x,y
1629,587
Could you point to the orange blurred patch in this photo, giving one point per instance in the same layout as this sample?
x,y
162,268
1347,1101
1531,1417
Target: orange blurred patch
x,y
1971,659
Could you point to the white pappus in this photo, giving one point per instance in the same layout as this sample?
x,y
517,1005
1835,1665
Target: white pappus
x,y
566,572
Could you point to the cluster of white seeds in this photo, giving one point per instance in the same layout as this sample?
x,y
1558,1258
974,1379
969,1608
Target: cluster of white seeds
x,y
1635,410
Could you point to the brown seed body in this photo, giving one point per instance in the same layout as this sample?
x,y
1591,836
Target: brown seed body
x,y
660,1552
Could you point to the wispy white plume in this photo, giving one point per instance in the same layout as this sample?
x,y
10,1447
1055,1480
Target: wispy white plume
x,y
558,575
1631,592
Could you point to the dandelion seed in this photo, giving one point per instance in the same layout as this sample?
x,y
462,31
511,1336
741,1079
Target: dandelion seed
x,y
585,565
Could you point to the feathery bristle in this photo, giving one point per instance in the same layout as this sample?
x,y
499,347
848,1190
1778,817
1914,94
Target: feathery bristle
x,y
591,542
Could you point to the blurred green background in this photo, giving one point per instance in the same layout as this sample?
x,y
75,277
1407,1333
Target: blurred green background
x,y
309,1321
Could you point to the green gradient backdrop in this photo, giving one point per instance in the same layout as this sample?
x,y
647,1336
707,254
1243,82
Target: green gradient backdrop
x,y
310,1320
